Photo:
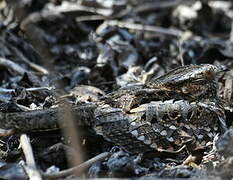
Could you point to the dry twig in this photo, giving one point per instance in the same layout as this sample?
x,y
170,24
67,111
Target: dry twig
x,y
28,62
30,168
4,90
11,65
80,168
140,27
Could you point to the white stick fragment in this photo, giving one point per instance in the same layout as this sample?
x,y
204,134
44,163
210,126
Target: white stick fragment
x,y
30,168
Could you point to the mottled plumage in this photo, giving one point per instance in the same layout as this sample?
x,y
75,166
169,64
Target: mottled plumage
x,y
166,112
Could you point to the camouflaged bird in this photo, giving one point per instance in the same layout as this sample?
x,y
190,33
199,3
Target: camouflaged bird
x,y
191,82
161,115
164,113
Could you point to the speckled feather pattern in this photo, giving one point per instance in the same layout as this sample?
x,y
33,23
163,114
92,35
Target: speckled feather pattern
x,y
166,112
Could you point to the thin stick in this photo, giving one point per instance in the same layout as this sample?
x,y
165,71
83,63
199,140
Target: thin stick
x,y
231,34
31,170
6,132
141,27
180,52
227,94
4,90
72,134
173,152
67,7
15,67
80,168
31,64
90,18
10,64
